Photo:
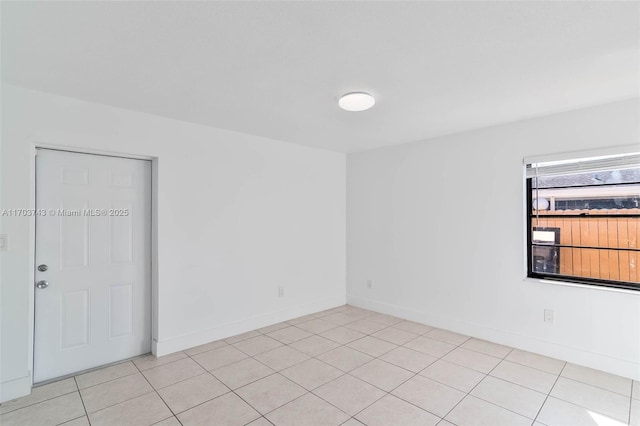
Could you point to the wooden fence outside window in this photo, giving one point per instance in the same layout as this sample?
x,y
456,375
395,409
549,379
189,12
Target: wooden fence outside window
x,y
594,229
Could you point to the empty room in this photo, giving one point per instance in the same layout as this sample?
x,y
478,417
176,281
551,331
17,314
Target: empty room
x,y
320,213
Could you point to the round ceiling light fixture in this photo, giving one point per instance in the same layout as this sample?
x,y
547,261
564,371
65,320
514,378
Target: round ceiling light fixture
x,y
356,101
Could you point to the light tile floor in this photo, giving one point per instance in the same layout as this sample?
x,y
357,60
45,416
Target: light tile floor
x,y
345,366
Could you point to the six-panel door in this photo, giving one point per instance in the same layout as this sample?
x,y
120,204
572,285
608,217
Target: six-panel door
x,y
93,234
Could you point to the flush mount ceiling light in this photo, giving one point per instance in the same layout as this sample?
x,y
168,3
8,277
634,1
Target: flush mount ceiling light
x,y
356,101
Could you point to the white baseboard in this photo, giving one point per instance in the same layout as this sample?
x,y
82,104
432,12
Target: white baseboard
x,y
575,355
15,388
175,344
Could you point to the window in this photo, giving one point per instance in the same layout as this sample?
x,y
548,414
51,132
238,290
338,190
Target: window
x,y
583,220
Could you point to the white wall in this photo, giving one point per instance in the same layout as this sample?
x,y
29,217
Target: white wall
x,y
237,215
438,226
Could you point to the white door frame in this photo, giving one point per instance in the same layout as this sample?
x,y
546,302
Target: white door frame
x,y
32,240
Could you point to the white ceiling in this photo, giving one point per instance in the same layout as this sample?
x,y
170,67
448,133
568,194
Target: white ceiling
x,y
275,69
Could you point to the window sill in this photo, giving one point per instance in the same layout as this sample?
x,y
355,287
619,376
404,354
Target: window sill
x,y
586,286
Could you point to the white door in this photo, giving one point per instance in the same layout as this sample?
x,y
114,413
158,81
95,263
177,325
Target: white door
x,y
93,261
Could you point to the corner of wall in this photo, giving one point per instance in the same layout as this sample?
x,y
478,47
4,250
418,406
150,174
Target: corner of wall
x,y
578,356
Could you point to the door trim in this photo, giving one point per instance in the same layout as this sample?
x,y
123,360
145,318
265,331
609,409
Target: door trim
x,y
35,145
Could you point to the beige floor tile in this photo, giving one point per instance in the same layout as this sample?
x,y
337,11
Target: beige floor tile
x,y
316,326
269,393
242,373
394,335
289,335
474,411
365,326
80,421
281,358
384,319
382,374
184,395
429,346
408,359
597,378
352,422
150,361
372,346
206,347
312,373
331,311
531,378
540,362
349,394
260,422
39,394
228,410
488,348
393,411
556,412
300,320
447,336
273,327
597,399
171,421
257,345
336,309
513,397
472,359
346,359
429,395
350,380
114,392
242,336
143,410
339,318
342,335
307,410
50,412
634,419
219,357
456,376
413,327
314,345
171,373
105,374
358,313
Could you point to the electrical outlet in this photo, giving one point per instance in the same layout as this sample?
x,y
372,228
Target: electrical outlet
x,y
281,291
4,242
549,316
369,283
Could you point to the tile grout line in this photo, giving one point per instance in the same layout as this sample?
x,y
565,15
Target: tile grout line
x,y
41,401
414,375
307,391
593,386
418,374
475,386
82,400
157,393
234,390
633,388
549,393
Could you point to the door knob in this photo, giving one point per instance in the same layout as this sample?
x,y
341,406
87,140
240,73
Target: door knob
x,y
42,268
42,284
